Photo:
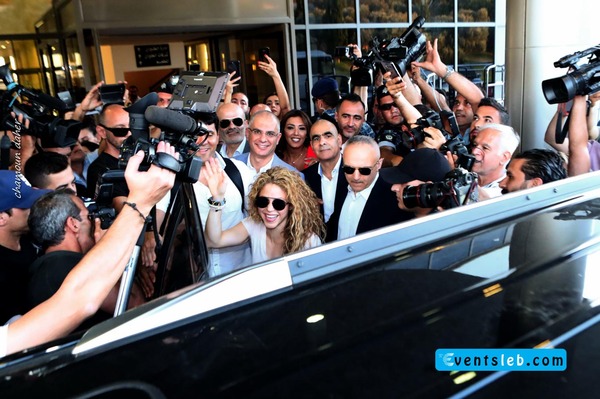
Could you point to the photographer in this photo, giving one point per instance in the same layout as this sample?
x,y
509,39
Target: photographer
x,y
468,94
88,284
583,152
420,166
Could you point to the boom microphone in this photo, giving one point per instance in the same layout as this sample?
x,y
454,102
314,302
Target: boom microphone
x,y
174,121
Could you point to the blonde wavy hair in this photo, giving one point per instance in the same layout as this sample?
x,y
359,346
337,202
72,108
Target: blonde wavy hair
x,y
304,216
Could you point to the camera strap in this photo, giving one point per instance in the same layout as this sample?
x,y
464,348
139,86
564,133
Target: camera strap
x,y
561,131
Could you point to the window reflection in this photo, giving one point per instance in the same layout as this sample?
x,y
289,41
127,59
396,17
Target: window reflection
x,y
445,42
476,10
331,11
434,11
383,11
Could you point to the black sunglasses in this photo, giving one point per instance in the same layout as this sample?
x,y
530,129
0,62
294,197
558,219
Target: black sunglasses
x,y
224,123
117,131
387,107
365,171
263,202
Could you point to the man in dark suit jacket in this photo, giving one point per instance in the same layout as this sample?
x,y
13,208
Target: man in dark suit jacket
x,y
326,177
370,202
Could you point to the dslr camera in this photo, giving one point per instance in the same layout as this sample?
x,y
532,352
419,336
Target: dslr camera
x,y
40,109
459,187
581,80
415,136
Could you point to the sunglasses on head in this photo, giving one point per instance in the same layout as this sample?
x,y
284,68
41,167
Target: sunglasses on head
x,y
365,171
263,202
224,123
117,131
387,107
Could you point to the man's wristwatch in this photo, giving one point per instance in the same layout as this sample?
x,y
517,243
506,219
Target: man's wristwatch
x,y
449,71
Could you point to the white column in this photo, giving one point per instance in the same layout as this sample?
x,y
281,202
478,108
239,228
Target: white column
x,y
539,32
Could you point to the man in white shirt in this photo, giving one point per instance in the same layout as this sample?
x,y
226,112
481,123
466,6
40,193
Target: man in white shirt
x,y
232,129
370,202
493,148
324,177
263,135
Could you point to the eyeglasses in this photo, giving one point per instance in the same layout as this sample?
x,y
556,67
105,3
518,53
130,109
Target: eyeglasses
x,y
365,170
117,131
224,123
263,202
259,132
387,107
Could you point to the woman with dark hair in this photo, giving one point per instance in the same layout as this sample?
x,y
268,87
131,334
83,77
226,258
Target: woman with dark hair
x,y
295,147
284,215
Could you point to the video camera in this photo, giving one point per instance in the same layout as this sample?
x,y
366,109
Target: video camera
x,y
580,80
195,93
401,50
40,109
459,187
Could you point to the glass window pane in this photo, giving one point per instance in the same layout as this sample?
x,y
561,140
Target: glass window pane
x,y
331,11
445,43
475,52
434,11
476,10
299,12
383,11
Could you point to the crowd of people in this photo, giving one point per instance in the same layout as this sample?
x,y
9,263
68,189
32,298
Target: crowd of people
x,y
273,181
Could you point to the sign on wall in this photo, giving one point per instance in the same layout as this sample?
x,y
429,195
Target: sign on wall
x,y
152,55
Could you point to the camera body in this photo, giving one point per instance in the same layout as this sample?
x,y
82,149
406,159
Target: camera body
x,y
459,187
581,80
416,135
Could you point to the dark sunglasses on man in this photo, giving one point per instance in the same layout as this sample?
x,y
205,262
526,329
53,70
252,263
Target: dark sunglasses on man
x,y
387,107
365,170
117,131
263,202
224,123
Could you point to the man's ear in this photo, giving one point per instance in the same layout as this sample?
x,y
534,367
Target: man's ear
x,y
3,218
536,181
72,224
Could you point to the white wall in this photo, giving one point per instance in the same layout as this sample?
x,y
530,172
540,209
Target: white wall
x,y
122,59
538,33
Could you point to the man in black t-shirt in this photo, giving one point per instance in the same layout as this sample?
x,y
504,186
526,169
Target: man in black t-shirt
x,y
113,129
16,250
60,224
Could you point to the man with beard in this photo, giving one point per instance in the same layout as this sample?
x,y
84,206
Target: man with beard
x,y
232,130
350,117
488,111
324,176
533,168
113,129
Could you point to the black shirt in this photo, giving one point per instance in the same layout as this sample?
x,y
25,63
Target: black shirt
x,y
13,279
103,163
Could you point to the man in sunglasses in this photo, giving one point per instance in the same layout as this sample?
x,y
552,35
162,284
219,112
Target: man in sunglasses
x,y
370,202
232,130
113,130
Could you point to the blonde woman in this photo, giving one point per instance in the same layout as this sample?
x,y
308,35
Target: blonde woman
x,y
283,216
